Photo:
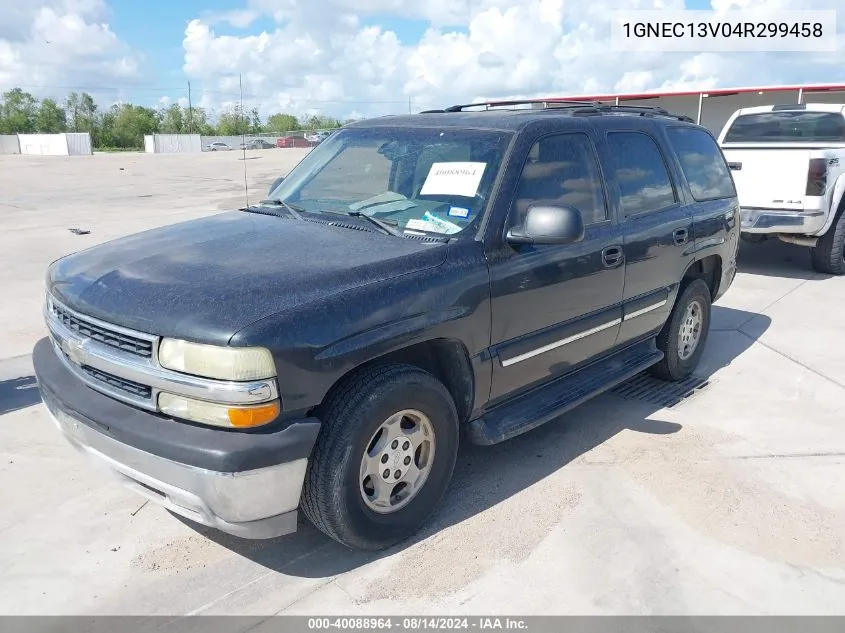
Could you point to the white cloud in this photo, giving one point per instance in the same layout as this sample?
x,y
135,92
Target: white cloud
x,y
62,43
240,18
329,56
322,55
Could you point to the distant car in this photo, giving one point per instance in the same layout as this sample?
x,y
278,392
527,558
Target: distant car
x,y
257,143
293,141
217,146
319,137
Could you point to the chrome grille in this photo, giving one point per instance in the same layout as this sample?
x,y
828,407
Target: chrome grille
x,y
112,338
123,364
134,388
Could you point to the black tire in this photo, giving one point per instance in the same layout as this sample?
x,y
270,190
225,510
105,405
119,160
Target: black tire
x,y
828,255
674,368
332,498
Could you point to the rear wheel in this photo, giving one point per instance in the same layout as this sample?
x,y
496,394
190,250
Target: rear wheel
x,y
828,256
683,336
384,457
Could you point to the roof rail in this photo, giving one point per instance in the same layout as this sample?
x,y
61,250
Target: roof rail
x,y
575,107
601,108
513,102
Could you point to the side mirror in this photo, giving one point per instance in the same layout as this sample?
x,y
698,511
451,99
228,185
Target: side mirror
x,y
275,184
548,224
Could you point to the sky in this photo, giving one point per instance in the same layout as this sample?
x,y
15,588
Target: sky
x,y
355,58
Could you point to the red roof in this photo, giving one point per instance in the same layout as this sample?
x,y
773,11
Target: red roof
x,y
713,93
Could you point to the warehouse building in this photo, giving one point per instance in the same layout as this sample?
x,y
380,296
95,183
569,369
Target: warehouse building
x,y
713,108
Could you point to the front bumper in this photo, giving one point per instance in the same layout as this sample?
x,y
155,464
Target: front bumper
x,y
245,484
756,220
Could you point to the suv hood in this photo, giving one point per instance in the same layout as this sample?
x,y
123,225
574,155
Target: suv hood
x,y
206,279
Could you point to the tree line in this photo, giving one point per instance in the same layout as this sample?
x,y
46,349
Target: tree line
x,y
123,125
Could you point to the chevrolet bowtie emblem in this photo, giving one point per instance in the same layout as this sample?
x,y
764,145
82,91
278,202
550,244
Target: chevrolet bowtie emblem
x,y
73,351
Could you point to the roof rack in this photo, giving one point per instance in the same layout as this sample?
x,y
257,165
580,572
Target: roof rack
x,y
574,107
495,104
602,108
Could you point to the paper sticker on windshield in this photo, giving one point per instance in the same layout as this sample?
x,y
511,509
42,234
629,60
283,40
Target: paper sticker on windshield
x,y
458,212
432,225
453,179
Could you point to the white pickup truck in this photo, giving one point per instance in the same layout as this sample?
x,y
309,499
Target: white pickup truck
x,y
788,163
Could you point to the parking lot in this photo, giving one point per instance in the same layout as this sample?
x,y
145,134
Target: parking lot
x,y
731,501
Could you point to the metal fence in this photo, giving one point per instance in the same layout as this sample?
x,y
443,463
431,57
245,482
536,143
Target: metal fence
x,y
9,144
172,143
78,143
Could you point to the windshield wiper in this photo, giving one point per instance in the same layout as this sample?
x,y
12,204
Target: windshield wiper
x,y
290,208
379,223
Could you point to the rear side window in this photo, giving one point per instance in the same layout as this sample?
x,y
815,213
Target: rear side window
x,y
786,127
702,163
640,172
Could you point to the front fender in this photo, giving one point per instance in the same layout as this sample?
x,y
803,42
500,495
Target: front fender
x,y
316,344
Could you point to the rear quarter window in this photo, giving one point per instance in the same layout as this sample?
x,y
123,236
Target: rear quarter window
x,y
703,164
787,127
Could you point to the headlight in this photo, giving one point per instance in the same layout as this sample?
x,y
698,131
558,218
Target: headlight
x,y
217,414
213,361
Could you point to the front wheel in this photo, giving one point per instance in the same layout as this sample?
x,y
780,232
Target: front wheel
x,y
384,457
683,336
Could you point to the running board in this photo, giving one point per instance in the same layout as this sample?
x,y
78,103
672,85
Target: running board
x,y
545,403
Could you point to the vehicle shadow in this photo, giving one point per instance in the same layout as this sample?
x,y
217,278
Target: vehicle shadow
x,y
18,393
487,476
773,258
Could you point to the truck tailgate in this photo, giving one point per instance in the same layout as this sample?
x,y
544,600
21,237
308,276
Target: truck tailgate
x,y
770,178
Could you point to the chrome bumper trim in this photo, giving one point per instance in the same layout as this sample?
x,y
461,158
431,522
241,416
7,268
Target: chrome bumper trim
x,y
77,351
757,220
255,504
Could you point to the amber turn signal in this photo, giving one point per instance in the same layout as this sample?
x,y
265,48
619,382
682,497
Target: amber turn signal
x,y
254,416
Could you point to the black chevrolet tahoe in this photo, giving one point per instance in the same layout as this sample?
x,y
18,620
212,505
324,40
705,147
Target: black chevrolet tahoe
x,y
415,281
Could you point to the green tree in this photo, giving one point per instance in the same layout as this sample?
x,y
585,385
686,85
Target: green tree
x,y
198,122
50,118
255,126
232,122
18,112
174,120
195,121
319,122
129,123
81,112
280,123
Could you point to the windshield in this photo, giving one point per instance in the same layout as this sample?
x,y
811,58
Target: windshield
x,y
418,180
787,126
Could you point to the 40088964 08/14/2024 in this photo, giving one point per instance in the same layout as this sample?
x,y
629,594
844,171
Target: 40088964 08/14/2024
x,y
415,281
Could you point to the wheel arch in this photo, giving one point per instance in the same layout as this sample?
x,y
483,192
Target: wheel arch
x,y
837,205
446,359
708,269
